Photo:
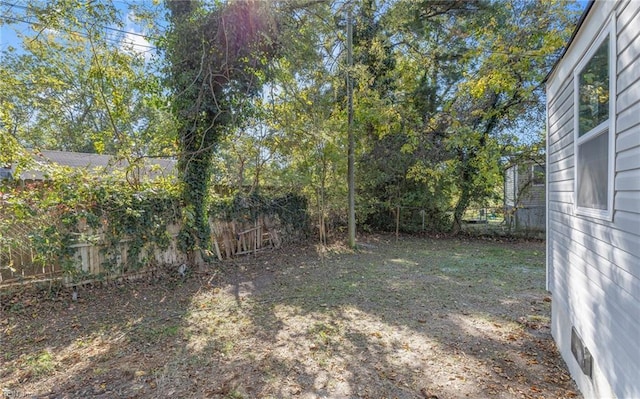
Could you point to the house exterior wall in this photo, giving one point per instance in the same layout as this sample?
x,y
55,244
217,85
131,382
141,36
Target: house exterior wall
x,y
531,192
510,188
530,212
524,198
593,263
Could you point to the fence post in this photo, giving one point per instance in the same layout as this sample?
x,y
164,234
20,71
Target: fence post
x,y
397,222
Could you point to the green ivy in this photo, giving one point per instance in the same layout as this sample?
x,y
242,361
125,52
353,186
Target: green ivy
x,y
74,207
291,209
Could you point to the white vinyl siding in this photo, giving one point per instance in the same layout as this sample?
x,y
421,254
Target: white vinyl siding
x,y
593,263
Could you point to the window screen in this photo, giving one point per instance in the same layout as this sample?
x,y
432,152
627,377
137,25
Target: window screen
x,y
593,158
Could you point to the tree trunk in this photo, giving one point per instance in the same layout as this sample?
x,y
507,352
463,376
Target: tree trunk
x,y
466,194
351,151
461,207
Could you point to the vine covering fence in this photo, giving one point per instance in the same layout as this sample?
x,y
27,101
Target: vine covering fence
x,y
31,250
19,259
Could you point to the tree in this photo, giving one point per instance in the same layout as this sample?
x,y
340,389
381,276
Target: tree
x,y
467,73
246,156
517,42
435,105
75,86
13,154
216,59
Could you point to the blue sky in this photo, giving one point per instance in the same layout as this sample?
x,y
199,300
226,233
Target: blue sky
x,y
14,21
133,35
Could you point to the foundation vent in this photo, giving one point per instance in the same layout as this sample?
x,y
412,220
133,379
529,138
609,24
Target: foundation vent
x,y
581,353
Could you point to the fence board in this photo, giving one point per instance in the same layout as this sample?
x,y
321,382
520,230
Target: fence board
x,y
229,239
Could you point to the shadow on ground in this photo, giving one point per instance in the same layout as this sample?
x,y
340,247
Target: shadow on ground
x,y
417,318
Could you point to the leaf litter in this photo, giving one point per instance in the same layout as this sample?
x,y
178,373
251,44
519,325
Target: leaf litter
x,y
410,318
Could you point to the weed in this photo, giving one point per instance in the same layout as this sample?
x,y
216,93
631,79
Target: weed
x,y
539,318
150,334
41,363
234,394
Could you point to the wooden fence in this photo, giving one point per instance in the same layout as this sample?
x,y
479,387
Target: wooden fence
x,y
240,238
20,262
18,258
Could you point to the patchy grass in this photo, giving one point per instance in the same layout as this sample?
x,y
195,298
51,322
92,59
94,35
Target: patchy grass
x,y
416,318
40,364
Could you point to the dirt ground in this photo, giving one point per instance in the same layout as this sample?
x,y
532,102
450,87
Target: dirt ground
x,y
414,318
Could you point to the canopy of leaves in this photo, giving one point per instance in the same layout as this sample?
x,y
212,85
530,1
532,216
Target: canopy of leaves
x,y
72,85
251,95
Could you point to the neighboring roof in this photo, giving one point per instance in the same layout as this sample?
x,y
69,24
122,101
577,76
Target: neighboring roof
x,y
99,163
74,159
573,36
519,158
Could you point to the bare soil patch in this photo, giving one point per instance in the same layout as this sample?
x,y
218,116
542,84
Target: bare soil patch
x,y
414,318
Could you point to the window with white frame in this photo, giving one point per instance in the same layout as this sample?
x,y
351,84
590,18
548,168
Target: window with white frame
x,y
537,175
594,116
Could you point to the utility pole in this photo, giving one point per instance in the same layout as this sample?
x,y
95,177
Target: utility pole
x,y
351,156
